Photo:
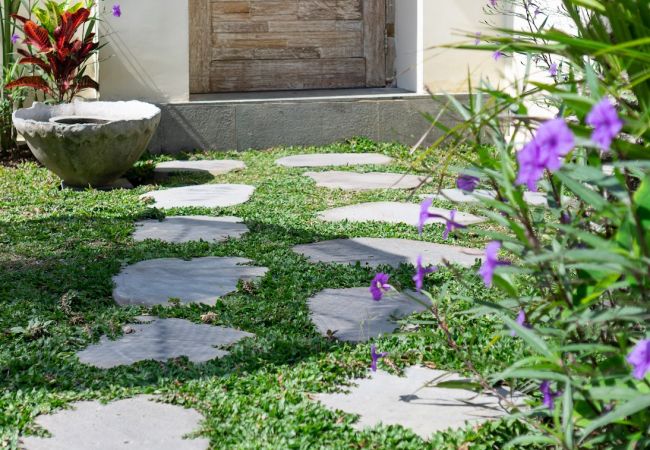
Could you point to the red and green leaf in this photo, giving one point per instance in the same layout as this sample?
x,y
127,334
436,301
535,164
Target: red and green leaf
x,y
37,62
37,36
35,82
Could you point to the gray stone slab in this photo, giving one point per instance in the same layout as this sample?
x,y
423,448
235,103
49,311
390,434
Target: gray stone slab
x,y
134,423
352,181
413,402
161,340
383,251
209,166
459,196
204,195
392,212
354,316
199,280
333,159
179,229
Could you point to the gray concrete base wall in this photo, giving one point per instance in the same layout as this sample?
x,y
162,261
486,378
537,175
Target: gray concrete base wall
x,y
234,125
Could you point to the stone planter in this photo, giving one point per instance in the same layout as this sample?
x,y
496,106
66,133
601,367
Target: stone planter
x,y
88,143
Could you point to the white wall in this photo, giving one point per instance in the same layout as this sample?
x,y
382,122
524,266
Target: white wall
x,y
147,56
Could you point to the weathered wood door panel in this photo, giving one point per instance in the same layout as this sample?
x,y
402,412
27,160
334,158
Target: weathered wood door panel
x,y
261,45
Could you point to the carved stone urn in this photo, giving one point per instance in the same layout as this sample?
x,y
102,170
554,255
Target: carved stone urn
x,y
88,144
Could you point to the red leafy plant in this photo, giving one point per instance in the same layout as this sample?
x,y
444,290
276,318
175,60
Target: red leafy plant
x,y
59,51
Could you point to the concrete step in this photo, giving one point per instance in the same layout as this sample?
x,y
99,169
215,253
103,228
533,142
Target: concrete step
x,y
264,120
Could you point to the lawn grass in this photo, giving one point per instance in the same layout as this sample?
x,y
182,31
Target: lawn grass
x,y
60,248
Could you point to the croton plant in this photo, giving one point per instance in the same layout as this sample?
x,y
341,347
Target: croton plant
x,y
60,41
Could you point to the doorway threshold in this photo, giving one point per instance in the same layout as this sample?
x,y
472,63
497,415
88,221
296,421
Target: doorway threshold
x,y
306,95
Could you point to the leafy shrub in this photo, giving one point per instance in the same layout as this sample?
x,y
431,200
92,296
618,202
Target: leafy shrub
x,y
575,274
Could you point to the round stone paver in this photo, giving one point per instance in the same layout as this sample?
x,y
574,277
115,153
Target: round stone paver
x,y
353,181
179,229
135,423
204,195
413,402
386,251
333,159
210,166
392,212
352,314
161,340
199,280
459,196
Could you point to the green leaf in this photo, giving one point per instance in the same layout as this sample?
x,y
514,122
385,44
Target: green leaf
x,y
529,439
627,409
532,339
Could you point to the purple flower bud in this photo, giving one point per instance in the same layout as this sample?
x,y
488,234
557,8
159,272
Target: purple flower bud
x,y
491,262
421,272
521,321
374,356
117,10
478,38
604,118
379,286
14,38
497,55
467,183
552,70
549,395
639,359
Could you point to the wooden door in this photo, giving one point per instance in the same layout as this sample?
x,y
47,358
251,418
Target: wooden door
x,y
262,45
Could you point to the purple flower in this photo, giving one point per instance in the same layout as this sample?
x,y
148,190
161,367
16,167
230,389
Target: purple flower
x,y
494,2
639,358
14,38
604,118
117,10
552,142
421,272
379,285
375,357
497,55
521,321
552,70
491,262
467,183
478,38
549,396
425,215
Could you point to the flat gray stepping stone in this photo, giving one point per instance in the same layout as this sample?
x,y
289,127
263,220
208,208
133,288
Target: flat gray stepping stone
x,y
410,402
459,196
333,159
392,212
352,181
354,316
134,423
181,229
204,195
199,280
161,340
210,166
382,251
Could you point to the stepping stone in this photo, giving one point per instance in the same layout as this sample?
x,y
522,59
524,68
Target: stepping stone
x,y
199,280
181,229
392,212
409,401
161,340
204,195
209,166
354,316
459,196
381,251
333,159
352,181
135,423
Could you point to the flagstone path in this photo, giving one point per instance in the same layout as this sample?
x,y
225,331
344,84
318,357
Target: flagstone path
x,y
204,195
212,167
353,181
180,229
160,340
199,280
392,212
347,314
410,402
386,251
333,159
135,423
352,315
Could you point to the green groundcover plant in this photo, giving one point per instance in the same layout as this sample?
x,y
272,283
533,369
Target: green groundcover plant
x,y
574,274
